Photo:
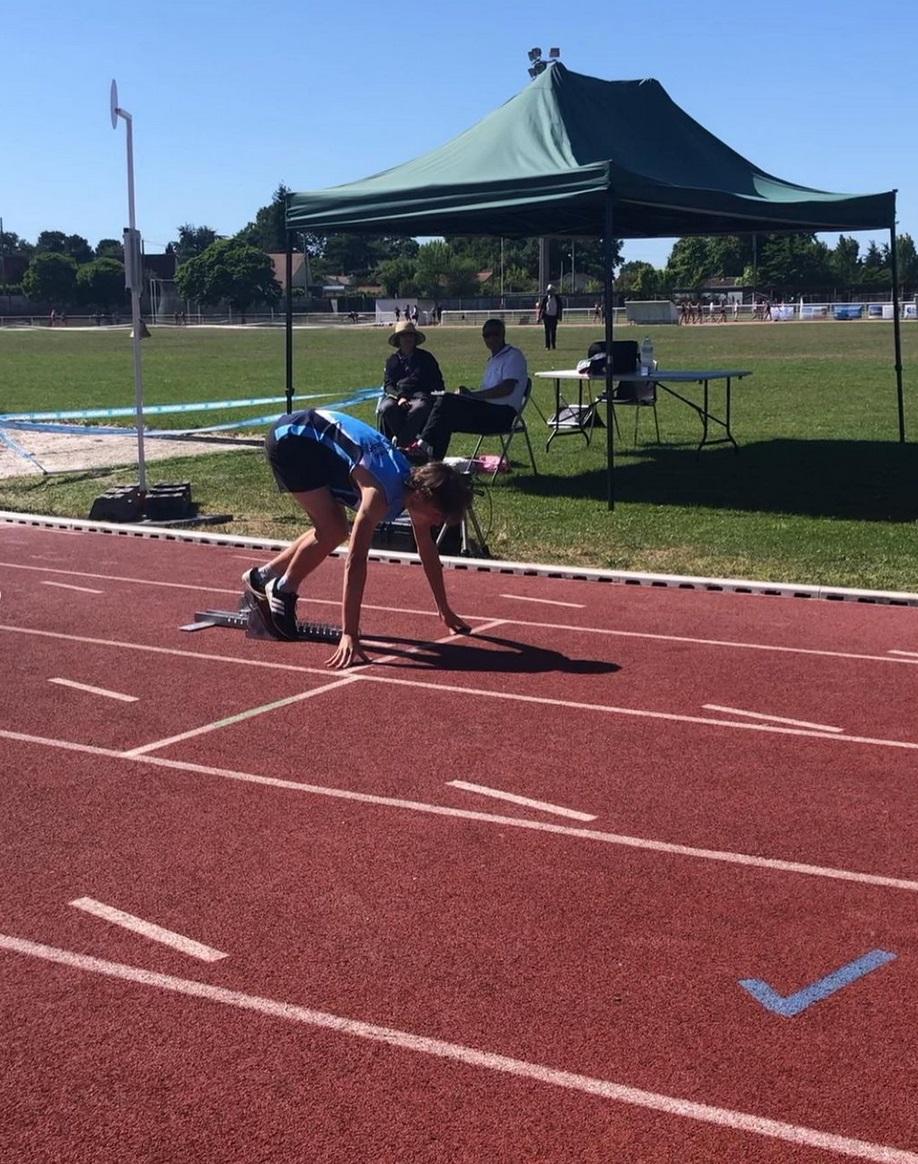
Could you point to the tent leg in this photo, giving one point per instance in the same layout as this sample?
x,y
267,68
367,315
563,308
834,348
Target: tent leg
x,y
897,338
609,311
288,384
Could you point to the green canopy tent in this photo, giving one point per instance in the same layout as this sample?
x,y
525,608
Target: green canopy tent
x,y
576,156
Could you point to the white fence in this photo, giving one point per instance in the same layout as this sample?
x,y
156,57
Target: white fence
x,y
520,316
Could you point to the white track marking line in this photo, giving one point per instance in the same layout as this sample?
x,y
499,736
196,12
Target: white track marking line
x,y
238,718
908,654
643,843
145,647
641,713
95,690
470,1056
773,718
148,929
735,644
67,586
208,589
365,676
544,601
591,630
541,805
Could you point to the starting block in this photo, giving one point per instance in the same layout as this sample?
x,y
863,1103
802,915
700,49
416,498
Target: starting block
x,y
252,619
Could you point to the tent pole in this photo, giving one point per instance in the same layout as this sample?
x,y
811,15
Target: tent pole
x,y
609,312
897,339
289,323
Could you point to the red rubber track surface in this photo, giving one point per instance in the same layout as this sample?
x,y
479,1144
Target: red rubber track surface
x,y
611,948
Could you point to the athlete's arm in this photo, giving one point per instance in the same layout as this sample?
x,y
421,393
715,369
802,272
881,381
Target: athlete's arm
x,y
433,572
372,509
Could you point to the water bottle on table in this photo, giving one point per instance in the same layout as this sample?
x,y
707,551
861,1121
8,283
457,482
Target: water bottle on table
x,y
647,356
644,393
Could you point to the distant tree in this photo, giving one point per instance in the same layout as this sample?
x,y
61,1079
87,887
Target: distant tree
x,y
228,271
192,240
462,278
101,283
519,279
110,248
12,244
589,256
845,262
639,280
793,262
51,278
876,264
907,262
268,231
55,242
690,263
435,261
395,275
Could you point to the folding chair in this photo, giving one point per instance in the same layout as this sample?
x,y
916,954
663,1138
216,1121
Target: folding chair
x,y
505,438
647,401
625,359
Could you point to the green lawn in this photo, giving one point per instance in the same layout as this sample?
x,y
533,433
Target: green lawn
x,y
820,492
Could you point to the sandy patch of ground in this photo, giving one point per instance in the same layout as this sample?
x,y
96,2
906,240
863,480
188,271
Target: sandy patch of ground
x,y
60,453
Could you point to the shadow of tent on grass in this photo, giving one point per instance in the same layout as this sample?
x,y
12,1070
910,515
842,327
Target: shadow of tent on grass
x,y
856,480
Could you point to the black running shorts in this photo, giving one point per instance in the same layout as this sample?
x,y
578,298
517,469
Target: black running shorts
x,y
300,464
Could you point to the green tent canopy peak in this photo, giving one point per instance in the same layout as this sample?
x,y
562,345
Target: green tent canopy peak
x,y
545,163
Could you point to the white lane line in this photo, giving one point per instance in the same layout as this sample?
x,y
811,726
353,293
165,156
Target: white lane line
x,y
67,586
640,712
728,643
238,718
95,690
175,651
541,805
148,929
772,718
470,1056
544,601
907,654
890,657
731,858
363,674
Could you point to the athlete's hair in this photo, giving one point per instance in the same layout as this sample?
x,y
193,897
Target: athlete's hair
x,y
449,490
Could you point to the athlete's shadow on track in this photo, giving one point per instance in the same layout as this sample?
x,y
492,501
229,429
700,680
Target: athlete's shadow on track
x,y
464,654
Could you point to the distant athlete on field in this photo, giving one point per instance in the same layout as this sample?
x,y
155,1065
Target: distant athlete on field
x,y
328,460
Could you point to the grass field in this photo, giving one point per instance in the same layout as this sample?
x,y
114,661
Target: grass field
x,y
821,491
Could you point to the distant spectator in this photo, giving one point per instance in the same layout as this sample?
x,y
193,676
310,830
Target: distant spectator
x,y
550,311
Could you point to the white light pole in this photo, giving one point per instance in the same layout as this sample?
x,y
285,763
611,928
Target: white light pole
x,y
133,279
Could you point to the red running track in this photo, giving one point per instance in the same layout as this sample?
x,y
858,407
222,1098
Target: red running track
x,y
406,968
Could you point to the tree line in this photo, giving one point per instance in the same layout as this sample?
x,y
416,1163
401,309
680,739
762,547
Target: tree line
x,y
65,270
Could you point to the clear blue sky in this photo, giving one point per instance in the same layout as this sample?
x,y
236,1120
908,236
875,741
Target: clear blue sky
x,y
229,99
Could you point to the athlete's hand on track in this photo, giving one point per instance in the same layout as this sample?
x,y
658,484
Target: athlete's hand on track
x,y
349,651
455,623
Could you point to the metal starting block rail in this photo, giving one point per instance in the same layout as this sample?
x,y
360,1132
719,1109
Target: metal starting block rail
x,y
254,622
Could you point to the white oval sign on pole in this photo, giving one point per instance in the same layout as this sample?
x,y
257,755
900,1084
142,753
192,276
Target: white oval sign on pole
x,y
114,105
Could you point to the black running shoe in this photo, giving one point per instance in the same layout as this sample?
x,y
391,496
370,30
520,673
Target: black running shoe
x,y
254,586
282,611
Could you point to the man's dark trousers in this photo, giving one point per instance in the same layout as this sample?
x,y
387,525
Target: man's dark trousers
x,y
551,329
459,413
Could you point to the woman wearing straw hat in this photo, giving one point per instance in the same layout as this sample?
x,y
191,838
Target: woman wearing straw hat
x,y
410,378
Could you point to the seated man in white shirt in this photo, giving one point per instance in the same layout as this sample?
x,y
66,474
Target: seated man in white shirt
x,y
491,409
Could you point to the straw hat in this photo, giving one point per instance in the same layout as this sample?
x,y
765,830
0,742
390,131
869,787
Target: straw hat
x,y
406,326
